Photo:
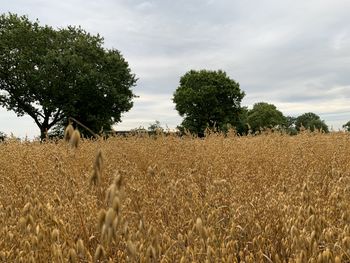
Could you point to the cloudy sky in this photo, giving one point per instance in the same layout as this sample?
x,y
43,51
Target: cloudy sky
x,y
292,53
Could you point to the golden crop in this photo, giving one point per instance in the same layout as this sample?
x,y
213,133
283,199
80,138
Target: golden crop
x,y
268,198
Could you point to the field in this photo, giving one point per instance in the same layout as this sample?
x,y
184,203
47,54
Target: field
x,y
268,198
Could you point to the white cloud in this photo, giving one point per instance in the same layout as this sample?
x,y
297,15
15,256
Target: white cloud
x,y
145,6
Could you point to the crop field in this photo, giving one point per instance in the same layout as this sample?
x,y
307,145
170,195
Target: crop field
x,y
267,198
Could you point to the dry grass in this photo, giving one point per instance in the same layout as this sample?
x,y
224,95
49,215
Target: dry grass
x,y
269,198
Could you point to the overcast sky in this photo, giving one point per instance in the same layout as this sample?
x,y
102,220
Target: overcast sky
x,y
292,53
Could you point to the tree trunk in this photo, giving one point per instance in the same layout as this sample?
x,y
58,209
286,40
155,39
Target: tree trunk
x,y
43,133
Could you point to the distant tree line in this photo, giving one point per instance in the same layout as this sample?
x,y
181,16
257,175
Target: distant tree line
x,y
3,136
346,126
211,100
58,75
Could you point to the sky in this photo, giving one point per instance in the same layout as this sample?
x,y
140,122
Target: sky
x,y
291,53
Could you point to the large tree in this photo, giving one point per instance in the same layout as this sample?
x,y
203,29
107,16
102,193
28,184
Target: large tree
x,y
208,99
265,115
52,74
310,121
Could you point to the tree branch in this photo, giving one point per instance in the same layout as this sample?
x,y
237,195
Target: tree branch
x,y
56,118
27,108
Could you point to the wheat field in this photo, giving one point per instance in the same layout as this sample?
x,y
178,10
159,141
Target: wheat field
x,y
267,198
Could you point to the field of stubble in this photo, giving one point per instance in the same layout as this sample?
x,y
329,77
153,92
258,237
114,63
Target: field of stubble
x,y
268,198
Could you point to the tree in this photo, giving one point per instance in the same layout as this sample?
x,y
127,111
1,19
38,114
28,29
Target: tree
x,y
208,99
265,115
155,127
242,126
52,74
3,136
346,126
290,125
310,121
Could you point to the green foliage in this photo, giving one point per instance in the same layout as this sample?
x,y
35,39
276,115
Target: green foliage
x,y
208,99
155,127
290,121
310,121
346,126
290,125
52,74
242,126
3,136
265,115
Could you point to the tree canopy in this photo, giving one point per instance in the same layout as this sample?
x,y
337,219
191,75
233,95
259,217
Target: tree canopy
x,y
155,127
208,99
346,126
310,121
52,74
290,125
2,136
265,115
